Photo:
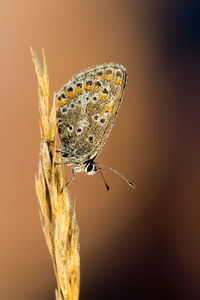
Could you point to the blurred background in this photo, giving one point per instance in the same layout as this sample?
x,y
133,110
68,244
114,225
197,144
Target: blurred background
x,y
134,244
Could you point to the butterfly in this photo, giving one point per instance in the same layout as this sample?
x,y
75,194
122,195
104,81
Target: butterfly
x,y
87,109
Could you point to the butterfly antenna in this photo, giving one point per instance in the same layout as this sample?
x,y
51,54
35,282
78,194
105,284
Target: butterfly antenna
x,y
107,186
133,185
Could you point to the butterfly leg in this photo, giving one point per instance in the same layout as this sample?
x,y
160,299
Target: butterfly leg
x,y
58,149
69,181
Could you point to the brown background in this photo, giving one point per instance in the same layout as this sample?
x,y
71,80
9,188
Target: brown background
x,y
135,244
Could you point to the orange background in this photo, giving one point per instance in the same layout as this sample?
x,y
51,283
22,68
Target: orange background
x,y
135,244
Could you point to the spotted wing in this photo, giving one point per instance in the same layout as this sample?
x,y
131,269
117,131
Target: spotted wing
x,y
87,109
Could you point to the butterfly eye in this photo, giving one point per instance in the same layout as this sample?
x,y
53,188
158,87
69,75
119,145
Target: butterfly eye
x,y
91,168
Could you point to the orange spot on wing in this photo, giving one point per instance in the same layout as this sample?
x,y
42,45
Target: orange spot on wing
x,y
79,91
107,108
70,95
97,89
62,102
117,81
108,77
87,87
103,98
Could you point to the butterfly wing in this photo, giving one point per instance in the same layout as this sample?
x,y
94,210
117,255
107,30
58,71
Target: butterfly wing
x,y
87,109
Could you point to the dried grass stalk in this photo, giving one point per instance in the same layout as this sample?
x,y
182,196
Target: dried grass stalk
x,y
57,216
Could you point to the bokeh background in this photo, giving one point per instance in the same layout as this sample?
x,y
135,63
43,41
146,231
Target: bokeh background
x,y
134,244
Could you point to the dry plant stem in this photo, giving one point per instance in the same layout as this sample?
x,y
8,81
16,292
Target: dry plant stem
x,y
57,216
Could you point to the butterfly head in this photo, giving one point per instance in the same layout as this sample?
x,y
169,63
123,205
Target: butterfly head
x,y
91,168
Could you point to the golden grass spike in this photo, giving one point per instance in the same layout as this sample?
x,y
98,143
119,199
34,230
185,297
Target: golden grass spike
x,y
58,219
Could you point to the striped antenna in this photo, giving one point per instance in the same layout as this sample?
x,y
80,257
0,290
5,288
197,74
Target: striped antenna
x,y
133,185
